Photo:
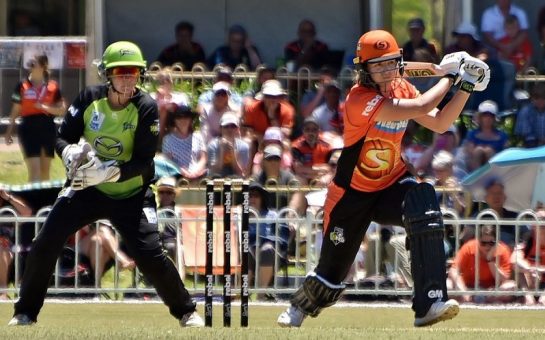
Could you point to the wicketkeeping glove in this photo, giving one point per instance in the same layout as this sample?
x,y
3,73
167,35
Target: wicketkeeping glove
x,y
477,67
74,155
451,64
95,172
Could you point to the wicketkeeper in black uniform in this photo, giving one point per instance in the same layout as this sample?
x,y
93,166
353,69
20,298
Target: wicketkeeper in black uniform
x,y
107,141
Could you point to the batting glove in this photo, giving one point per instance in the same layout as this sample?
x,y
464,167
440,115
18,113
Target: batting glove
x,y
73,155
451,64
477,67
95,172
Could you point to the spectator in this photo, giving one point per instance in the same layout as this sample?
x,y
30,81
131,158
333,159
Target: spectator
x,y
467,39
486,140
492,260
166,97
274,136
492,26
185,50
7,236
447,141
416,30
530,125
228,154
101,249
262,75
239,50
386,247
272,174
306,50
495,199
223,74
311,154
314,96
268,239
443,177
521,56
329,115
210,114
183,145
271,110
529,260
169,232
37,99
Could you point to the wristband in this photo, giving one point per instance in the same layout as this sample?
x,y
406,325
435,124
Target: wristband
x,y
451,76
466,86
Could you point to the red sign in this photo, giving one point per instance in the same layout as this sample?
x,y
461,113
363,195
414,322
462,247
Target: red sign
x,y
75,55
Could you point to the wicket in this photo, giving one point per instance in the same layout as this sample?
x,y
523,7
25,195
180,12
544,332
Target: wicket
x,y
227,196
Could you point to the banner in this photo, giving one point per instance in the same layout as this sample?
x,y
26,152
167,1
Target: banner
x,y
54,50
75,55
10,54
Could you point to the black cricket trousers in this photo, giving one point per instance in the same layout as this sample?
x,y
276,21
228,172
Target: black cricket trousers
x,y
139,233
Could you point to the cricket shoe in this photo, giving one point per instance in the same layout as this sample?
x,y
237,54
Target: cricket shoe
x,y
291,317
191,319
439,311
20,320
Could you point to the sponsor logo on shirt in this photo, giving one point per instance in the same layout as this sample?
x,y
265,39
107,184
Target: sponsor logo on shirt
x,y
128,126
108,147
97,119
371,105
337,236
154,128
393,126
72,110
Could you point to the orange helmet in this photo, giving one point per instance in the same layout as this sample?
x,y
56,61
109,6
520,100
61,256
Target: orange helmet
x,y
376,45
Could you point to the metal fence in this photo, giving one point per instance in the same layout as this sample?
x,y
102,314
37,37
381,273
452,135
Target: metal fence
x,y
288,273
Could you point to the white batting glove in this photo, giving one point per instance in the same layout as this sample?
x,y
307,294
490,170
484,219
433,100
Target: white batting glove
x,y
477,67
73,155
451,64
95,172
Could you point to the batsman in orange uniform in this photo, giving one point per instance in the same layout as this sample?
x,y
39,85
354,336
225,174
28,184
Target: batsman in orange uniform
x,y
372,182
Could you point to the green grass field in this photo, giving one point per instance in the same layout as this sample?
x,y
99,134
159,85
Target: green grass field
x,y
152,321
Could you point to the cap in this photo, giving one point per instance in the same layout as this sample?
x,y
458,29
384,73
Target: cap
x,y
237,29
222,86
488,106
105,222
375,46
229,118
466,28
310,120
494,180
442,159
272,150
223,73
272,87
168,183
416,23
273,134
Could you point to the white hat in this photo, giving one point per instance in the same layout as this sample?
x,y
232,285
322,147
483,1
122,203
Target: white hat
x,y
167,183
466,28
272,150
273,133
272,87
221,86
489,106
229,118
452,128
442,159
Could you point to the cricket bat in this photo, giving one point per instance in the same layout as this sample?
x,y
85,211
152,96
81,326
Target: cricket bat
x,y
414,69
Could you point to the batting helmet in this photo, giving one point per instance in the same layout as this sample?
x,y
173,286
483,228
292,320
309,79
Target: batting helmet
x,y
375,46
122,53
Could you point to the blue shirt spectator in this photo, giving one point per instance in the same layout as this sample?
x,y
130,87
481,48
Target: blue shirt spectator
x,y
531,119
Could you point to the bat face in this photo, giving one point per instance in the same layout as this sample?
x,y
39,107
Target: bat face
x,y
415,69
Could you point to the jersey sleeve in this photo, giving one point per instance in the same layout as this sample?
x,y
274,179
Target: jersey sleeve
x,y
146,138
71,128
16,95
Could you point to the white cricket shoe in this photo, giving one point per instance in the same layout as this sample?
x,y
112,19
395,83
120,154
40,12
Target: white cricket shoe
x,y
291,317
191,320
20,320
439,311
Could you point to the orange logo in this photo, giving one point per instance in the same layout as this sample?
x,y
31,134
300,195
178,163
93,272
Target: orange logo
x,y
376,158
382,45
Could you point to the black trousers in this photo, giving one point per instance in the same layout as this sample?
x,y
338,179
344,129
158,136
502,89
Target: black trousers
x,y
139,233
348,221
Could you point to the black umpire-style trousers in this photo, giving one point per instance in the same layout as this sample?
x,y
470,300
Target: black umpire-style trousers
x,y
139,232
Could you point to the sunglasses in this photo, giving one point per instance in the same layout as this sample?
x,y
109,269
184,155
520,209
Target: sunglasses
x,y
230,126
126,71
164,192
487,243
310,129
